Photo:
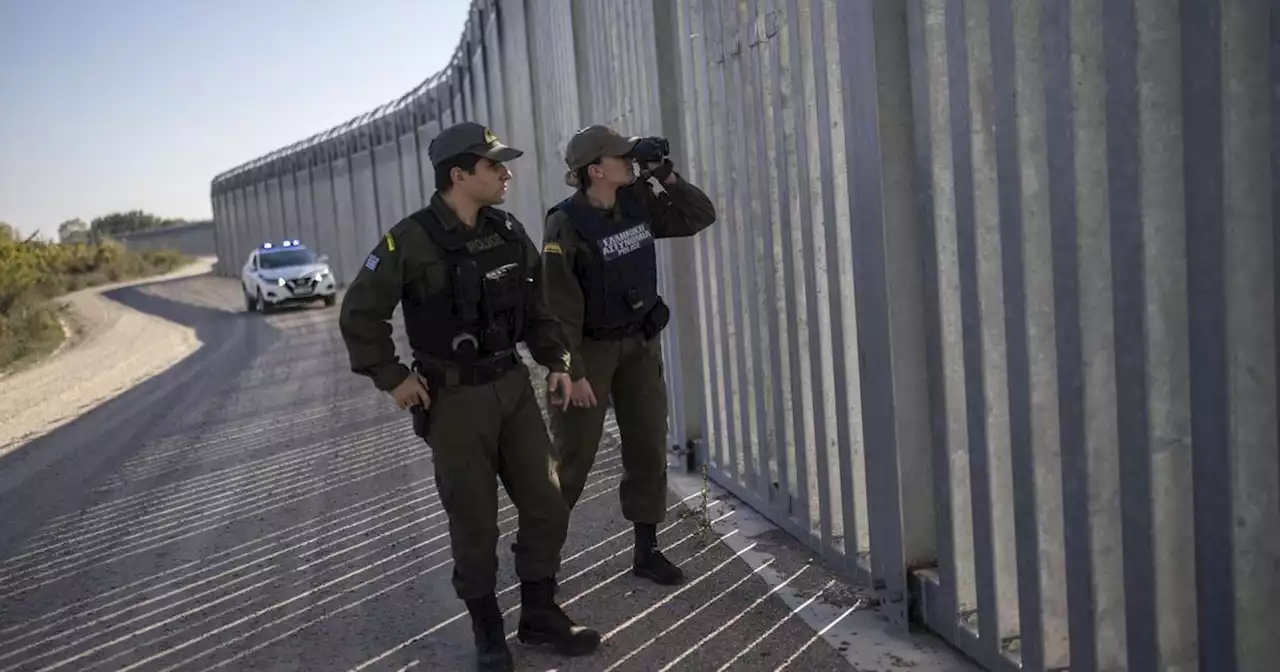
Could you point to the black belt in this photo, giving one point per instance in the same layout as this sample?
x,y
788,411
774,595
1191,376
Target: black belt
x,y
452,374
612,333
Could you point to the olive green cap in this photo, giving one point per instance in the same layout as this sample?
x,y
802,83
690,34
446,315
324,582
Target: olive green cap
x,y
469,137
594,142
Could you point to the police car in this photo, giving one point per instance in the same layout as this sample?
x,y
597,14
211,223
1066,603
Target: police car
x,y
286,274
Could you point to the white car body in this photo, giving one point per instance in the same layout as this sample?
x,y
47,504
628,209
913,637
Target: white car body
x,y
268,283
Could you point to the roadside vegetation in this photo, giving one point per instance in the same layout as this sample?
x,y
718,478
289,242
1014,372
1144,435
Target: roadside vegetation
x,y
34,272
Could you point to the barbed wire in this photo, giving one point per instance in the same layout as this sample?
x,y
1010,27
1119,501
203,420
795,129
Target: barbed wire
x,y
427,91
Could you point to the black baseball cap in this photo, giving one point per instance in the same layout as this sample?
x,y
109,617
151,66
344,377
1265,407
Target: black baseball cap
x,y
469,137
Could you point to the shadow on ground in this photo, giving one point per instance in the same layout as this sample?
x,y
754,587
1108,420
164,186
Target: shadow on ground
x,y
259,506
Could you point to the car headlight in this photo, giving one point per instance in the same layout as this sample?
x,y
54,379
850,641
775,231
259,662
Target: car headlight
x,y
280,282
322,275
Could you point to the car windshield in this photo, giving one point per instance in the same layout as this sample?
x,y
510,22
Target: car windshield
x,y
283,258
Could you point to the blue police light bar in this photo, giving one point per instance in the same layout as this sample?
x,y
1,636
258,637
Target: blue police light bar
x,y
283,243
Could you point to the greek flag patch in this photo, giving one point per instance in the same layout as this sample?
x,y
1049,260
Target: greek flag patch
x,y
372,262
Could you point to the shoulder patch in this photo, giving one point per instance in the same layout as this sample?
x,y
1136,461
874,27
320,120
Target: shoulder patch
x,y
552,248
391,243
372,262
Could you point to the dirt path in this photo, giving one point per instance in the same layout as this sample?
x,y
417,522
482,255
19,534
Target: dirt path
x,y
100,360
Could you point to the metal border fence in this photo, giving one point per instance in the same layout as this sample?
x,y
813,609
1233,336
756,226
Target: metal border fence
x,y
989,317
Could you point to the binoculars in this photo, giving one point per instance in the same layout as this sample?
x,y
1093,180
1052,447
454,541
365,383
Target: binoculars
x,y
650,150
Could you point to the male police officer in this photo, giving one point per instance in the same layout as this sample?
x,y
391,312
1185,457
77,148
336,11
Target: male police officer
x,y
466,275
601,279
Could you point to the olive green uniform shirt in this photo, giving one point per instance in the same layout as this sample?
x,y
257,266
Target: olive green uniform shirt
x,y
684,211
406,259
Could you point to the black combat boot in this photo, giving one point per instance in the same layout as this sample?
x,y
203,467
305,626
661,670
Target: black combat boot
x,y
649,562
542,621
492,654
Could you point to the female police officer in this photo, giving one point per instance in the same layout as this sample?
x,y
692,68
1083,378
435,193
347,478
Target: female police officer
x,y
600,275
466,276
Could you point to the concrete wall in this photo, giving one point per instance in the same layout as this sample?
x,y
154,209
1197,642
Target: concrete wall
x,y
989,318
197,240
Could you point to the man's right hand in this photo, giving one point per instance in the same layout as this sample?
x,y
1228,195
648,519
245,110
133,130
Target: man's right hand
x,y
412,392
582,396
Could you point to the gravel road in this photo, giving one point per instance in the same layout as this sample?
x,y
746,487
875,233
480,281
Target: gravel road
x,y
100,359
248,503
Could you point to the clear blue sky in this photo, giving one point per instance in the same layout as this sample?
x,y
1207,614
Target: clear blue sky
x,y
112,105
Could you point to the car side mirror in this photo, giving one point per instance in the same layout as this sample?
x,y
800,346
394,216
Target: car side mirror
x,y
324,259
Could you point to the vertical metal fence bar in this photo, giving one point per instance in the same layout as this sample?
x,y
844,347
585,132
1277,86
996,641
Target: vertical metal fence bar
x,y
799,273
260,193
1027,23
840,371
1275,259
702,161
642,51
244,234
792,206
937,30
1201,34
660,93
726,289
692,64
758,290
817,289
721,238
1168,460
993,334
776,260
301,178
616,19
270,203
939,613
668,81
862,53
708,300
914,533
1250,173
1099,351
739,320
1008,169
1120,31
1060,150
975,395
605,106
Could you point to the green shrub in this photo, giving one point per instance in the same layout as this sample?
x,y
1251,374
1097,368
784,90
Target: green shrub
x,y
33,272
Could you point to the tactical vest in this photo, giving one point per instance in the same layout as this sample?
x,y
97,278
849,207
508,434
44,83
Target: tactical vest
x,y
480,312
620,279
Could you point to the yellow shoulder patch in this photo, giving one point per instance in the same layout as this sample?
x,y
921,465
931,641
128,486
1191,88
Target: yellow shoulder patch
x,y
391,244
552,248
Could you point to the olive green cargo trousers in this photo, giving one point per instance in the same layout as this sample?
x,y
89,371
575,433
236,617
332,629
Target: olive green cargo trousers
x,y
478,434
629,370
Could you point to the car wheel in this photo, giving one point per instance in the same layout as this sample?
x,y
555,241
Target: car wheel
x,y
249,306
262,304
329,301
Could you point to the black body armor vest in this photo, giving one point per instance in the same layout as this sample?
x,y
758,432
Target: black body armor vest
x,y
480,313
